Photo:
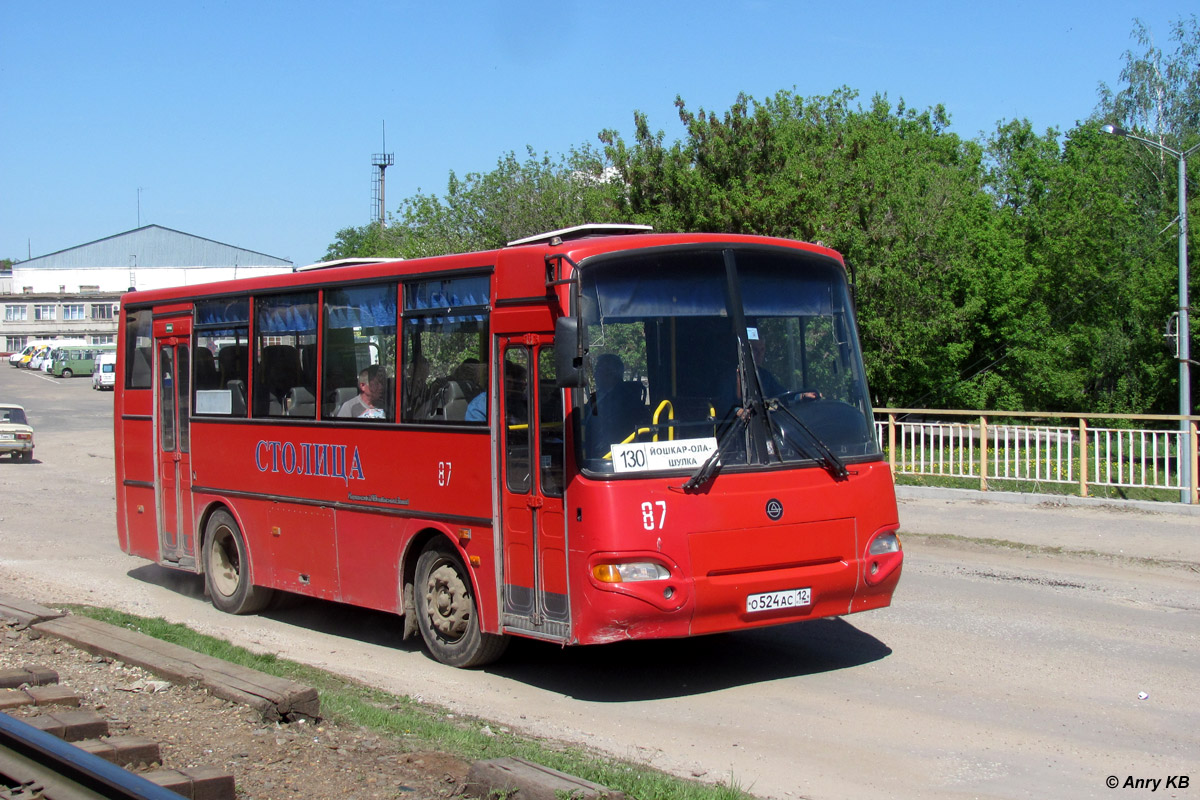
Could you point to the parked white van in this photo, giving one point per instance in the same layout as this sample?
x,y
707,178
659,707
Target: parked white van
x,y
104,373
26,351
42,355
31,349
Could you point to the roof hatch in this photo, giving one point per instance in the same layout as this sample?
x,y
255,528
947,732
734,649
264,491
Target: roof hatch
x,y
582,232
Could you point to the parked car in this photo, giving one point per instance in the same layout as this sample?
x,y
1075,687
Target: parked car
x,y
17,358
16,435
104,373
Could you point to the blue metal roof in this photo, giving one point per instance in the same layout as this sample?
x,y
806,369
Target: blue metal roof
x,y
153,246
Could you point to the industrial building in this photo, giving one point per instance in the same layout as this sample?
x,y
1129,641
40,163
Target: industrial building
x,y
75,293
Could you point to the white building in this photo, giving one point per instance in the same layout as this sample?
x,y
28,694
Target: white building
x,y
74,293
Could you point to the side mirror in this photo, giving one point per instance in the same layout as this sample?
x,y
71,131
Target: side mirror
x,y
568,361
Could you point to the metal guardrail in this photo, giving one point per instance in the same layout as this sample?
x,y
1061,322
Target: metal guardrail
x,y
940,442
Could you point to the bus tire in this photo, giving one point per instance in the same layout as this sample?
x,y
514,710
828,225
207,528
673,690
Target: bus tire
x,y
447,614
227,568
66,373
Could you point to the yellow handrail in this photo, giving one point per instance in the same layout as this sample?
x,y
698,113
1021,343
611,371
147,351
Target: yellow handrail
x,y
670,415
627,440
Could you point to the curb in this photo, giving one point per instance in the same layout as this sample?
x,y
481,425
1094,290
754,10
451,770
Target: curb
x,y
1028,499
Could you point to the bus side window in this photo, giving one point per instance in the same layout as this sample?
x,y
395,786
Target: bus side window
x,y
221,356
283,325
359,354
517,418
139,354
550,427
446,350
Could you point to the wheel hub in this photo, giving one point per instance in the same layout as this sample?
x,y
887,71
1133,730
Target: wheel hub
x,y
225,572
448,602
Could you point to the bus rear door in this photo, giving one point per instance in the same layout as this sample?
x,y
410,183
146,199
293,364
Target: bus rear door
x,y
173,484
535,599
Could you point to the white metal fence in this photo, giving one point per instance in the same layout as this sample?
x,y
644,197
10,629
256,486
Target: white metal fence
x,y
923,442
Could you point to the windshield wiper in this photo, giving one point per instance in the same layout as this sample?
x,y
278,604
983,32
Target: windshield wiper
x,y
828,459
709,467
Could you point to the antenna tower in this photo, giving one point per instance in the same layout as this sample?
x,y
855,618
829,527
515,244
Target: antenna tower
x,y
380,161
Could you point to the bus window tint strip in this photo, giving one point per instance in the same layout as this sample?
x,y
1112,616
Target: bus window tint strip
x,y
447,293
223,312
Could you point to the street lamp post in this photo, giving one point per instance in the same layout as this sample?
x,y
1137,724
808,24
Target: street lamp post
x,y
1183,337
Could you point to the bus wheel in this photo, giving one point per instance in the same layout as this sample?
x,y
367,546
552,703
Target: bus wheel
x,y
227,568
66,373
447,614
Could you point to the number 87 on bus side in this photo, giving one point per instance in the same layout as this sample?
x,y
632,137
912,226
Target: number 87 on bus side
x,y
590,435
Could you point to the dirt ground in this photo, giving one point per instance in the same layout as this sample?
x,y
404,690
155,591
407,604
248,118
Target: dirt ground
x,y
269,761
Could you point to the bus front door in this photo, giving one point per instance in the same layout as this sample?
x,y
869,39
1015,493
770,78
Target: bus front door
x,y
535,599
172,397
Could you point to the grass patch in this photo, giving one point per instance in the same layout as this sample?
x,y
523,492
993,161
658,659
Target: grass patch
x,y
420,726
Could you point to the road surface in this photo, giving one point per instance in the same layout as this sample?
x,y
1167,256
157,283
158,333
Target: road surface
x,y
999,672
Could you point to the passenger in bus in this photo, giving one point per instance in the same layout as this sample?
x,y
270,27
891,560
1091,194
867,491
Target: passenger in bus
x,y
514,393
471,377
477,408
616,408
372,390
609,374
771,387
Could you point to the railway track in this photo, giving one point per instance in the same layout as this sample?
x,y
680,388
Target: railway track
x,y
35,765
54,748
65,752
209,724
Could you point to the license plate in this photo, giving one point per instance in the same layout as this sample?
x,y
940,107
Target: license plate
x,y
771,601
8,437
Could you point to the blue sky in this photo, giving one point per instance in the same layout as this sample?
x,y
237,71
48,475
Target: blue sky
x,y
253,123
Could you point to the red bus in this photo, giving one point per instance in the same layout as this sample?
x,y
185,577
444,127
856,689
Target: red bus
x,y
596,434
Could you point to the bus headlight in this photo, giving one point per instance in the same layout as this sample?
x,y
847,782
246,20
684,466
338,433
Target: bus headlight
x,y
884,557
884,543
629,573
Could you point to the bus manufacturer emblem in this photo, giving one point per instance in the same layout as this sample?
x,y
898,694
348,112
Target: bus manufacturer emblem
x,y
774,509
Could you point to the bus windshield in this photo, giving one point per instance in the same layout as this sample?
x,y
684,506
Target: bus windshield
x,y
753,348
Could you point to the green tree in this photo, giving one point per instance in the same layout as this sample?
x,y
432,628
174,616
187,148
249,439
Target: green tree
x,y
369,241
485,210
1160,95
1029,270
1159,100
887,186
1078,338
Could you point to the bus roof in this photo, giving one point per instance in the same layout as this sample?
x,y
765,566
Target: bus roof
x,y
521,266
